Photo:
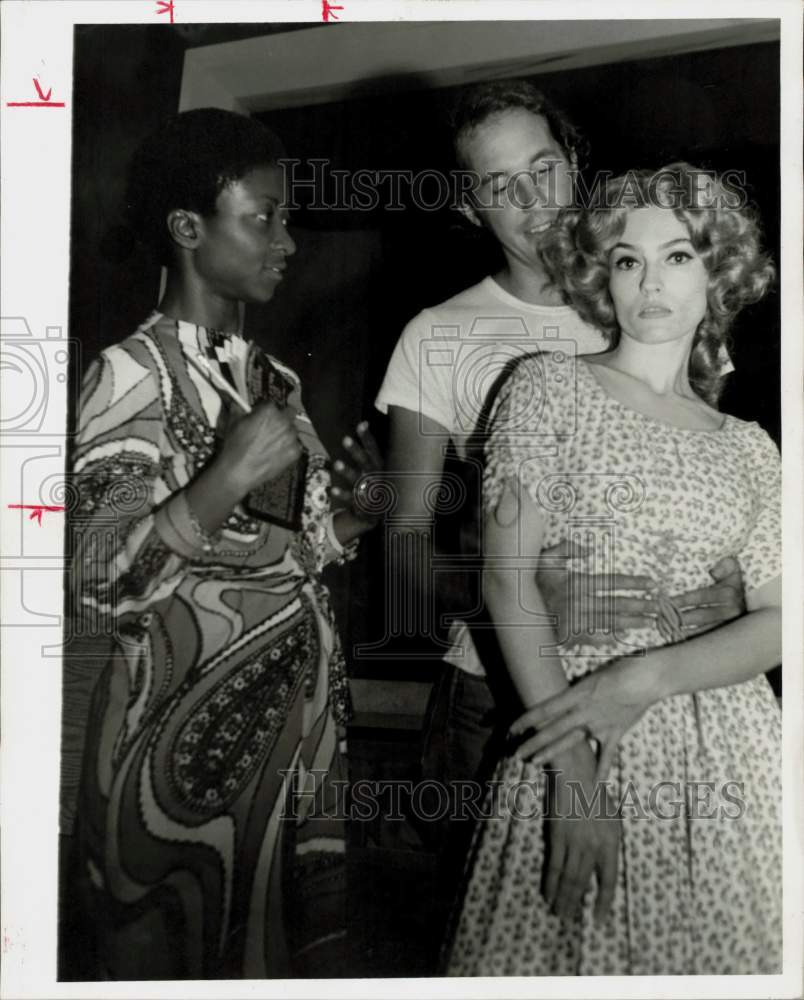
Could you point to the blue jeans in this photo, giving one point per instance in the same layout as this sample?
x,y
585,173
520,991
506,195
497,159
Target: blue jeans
x,y
458,747
470,724
459,724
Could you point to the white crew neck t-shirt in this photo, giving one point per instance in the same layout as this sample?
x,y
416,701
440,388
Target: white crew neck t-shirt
x,y
451,359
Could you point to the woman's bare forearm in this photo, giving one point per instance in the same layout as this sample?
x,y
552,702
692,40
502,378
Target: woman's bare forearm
x,y
523,637
524,634
212,496
731,654
513,535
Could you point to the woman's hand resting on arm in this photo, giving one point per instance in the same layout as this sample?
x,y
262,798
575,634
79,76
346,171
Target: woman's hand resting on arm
x,y
605,704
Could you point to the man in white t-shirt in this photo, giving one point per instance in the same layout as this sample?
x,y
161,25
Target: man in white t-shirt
x,y
440,382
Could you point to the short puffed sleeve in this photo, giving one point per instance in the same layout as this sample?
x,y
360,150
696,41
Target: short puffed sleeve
x,y
526,429
761,554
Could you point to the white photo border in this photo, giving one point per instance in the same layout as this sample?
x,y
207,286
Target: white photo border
x,y
37,41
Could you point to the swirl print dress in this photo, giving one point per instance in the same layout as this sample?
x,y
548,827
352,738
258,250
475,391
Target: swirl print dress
x,y
698,778
208,824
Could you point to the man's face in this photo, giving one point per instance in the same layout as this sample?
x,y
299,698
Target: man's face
x,y
524,180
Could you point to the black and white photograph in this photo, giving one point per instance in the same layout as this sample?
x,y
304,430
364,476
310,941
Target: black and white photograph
x,y
394,507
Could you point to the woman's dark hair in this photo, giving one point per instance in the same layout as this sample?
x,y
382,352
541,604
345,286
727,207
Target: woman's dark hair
x,y
186,163
494,97
723,229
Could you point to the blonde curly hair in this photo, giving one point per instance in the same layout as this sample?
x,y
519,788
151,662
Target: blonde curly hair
x,y
724,231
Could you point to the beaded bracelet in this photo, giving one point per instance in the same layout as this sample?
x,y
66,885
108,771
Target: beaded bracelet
x,y
343,553
208,541
332,538
202,539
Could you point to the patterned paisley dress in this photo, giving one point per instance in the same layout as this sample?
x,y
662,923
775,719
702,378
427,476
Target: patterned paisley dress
x,y
698,778
208,824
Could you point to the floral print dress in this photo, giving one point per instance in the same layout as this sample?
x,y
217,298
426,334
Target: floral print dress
x,y
698,778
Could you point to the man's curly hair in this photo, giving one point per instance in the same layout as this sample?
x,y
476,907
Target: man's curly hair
x,y
724,231
483,100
